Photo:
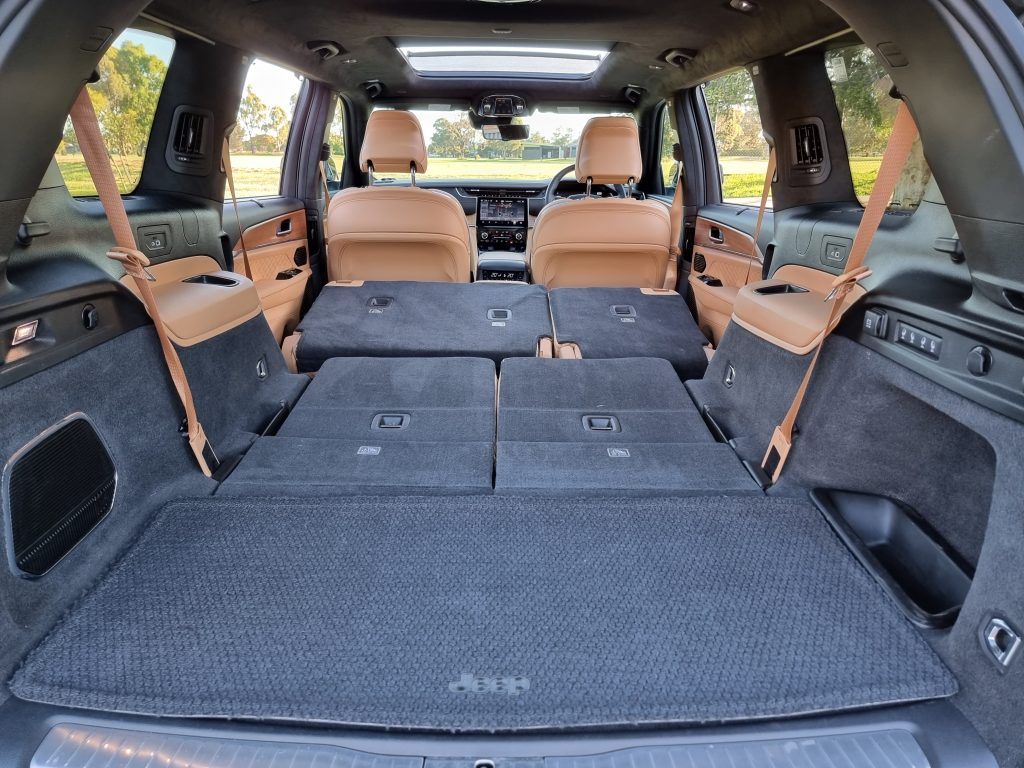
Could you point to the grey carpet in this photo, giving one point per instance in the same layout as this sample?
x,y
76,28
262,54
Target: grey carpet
x,y
372,611
660,326
423,320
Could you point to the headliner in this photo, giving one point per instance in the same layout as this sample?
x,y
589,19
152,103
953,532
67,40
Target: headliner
x,y
641,31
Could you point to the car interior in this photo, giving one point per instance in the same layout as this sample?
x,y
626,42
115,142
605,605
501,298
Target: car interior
x,y
512,383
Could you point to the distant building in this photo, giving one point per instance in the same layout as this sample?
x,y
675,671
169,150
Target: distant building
x,y
548,152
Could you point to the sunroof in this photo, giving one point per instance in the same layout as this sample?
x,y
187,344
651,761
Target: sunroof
x,y
531,61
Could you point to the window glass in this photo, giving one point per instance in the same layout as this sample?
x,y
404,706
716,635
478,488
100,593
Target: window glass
x,y
669,139
261,133
335,139
457,150
861,86
132,73
739,140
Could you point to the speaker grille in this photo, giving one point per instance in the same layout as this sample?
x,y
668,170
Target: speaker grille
x,y
699,263
58,489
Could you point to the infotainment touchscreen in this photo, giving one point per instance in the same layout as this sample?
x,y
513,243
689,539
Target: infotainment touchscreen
x,y
502,211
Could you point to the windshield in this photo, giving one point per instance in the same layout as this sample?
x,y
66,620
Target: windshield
x,y
457,150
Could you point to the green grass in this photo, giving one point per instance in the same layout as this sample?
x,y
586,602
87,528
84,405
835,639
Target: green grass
x,y
257,175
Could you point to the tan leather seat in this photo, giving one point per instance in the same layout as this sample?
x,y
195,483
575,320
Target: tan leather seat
x,y
603,242
396,233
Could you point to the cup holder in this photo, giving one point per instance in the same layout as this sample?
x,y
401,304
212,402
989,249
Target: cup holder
x,y
779,288
224,282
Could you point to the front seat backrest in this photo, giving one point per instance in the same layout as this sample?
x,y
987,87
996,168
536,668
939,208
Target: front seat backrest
x,y
603,242
396,233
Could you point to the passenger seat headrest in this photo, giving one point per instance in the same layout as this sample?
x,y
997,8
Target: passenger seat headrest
x,y
393,141
609,151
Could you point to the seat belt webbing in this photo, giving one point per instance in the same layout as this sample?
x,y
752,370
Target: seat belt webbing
x,y
327,199
897,152
87,129
226,162
676,218
769,176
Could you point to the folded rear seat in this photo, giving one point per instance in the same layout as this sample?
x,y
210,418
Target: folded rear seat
x,y
370,423
606,425
630,322
414,319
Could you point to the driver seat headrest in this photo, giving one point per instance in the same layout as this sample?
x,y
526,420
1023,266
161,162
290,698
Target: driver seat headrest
x,y
609,151
393,143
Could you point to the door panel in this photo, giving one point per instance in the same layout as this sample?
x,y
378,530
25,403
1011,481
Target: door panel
x,y
279,260
722,264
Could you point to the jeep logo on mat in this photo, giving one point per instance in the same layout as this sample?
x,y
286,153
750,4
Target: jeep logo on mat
x,y
510,686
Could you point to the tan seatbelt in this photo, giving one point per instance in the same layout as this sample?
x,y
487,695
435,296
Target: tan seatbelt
x,y
901,141
87,129
225,159
327,199
676,217
769,176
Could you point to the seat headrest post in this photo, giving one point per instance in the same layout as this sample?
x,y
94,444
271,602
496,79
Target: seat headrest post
x,y
590,183
369,170
412,173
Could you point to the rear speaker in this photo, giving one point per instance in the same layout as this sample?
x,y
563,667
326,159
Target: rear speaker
x,y
699,263
56,489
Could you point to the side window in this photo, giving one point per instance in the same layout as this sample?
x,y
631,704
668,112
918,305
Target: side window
x,y
335,139
261,133
861,86
132,73
739,141
669,139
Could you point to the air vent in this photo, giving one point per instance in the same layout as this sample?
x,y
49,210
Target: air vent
x,y
808,152
808,145
188,134
188,147
699,263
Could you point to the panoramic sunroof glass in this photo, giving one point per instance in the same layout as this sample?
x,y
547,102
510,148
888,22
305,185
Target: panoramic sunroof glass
x,y
504,60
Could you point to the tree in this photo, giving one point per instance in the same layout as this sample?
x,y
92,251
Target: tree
x,y
277,127
453,137
126,97
253,115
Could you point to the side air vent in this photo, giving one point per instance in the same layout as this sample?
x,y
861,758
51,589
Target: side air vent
x,y
808,153
189,145
699,263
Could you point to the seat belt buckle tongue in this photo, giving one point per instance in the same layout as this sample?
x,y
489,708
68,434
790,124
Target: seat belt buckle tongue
x,y
776,455
208,454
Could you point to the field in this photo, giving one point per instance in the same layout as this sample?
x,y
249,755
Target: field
x,y
258,174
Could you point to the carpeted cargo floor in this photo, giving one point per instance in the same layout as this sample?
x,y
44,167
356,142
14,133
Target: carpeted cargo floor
x,y
484,613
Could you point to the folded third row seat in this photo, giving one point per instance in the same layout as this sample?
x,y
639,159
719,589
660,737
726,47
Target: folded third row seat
x,y
425,424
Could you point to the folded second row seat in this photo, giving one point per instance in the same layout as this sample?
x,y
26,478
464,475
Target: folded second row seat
x,y
428,425
498,321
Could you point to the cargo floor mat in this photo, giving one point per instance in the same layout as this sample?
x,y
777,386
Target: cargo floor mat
x,y
483,613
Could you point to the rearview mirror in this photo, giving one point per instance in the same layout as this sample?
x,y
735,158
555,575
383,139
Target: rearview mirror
x,y
505,132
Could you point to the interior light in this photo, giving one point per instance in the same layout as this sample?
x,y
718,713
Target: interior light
x,y
743,6
25,332
501,31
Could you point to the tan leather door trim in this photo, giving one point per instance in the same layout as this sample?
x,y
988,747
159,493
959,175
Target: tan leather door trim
x,y
728,259
271,247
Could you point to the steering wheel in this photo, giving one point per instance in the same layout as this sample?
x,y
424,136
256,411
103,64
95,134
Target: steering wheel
x,y
549,193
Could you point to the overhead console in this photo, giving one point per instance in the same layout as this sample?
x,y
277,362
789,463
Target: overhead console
x,y
502,106
502,223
